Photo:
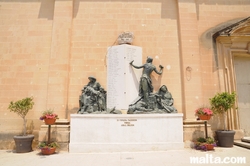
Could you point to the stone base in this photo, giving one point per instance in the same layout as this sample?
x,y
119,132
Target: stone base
x,y
125,133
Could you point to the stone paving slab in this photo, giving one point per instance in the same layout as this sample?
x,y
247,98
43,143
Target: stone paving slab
x,y
160,158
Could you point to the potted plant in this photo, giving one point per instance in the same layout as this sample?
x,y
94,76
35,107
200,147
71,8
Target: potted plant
x,y
48,148
220,104
49,117
204,113
21,107
204,143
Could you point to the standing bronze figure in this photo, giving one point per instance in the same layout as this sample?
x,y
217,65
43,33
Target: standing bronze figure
x,y
146,87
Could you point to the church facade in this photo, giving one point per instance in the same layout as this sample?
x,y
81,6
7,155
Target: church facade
x,y
49,48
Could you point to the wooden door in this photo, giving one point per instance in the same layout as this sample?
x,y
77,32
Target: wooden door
x,y
242,71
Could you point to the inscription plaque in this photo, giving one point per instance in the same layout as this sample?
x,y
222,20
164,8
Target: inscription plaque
x,y
127,122
122,80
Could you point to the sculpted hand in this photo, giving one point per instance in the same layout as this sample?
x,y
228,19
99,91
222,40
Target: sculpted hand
x,y
161,66
131,62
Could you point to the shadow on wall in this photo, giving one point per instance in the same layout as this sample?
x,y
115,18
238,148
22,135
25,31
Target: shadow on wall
x,y
208,41
168,7
198,3
71,111
46,9
206,38
216,122
197,133
30,127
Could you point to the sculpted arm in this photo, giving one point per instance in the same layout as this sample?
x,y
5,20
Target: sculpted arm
x,y
137,67
161,69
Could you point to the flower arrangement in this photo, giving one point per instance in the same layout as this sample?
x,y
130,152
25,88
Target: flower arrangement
x,y
48,148
203,111
49,118
204,143
48,114
47,145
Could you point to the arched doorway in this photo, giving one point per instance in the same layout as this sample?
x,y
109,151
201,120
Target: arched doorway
x,y
233,57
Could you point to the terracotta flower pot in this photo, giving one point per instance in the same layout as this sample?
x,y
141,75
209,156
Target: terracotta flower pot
x,y
204,117
48,151
209,146
49,121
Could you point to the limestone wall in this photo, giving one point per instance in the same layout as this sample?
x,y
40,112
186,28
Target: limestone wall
x,y
50,47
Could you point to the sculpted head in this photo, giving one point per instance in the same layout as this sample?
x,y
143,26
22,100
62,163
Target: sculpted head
x,y
149,59
92,79
164,88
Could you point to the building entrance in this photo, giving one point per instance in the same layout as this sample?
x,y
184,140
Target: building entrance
x,y
242,71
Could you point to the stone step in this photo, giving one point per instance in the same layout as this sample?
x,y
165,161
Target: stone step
x,y
242,144
246,139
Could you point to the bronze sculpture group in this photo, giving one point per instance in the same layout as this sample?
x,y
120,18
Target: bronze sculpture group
x,y
149,102
93,97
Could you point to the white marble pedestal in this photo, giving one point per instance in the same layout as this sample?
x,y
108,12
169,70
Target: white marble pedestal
x,y
125,133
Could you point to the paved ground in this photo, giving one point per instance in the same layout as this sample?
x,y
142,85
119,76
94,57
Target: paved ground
x,y
162,158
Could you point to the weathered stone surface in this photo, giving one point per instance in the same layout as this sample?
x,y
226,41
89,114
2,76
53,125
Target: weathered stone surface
x,y
122,132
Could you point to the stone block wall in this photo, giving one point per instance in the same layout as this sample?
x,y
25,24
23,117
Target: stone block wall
x,y
50,47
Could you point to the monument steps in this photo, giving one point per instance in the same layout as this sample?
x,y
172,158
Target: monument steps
x,y
244,142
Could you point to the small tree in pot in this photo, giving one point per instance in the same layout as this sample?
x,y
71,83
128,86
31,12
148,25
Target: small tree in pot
x,y
221,103
22,107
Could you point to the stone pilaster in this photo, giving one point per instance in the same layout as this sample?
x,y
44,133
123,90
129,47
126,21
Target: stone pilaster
x,y
58,76
190,58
